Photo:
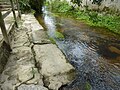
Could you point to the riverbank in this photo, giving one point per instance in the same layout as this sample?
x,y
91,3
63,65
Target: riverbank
x,y
93,18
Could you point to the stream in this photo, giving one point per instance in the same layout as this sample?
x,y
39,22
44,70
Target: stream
x,y
93,51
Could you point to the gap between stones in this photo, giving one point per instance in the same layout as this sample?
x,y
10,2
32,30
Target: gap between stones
x,y
34,55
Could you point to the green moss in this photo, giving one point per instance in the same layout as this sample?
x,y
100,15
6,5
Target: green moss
x,y
87,86
52,40
59,35
33,71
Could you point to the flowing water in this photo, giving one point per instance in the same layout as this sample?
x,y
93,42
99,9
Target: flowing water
x,y
93,51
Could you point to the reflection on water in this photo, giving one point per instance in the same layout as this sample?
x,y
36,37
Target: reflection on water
x,y
93,51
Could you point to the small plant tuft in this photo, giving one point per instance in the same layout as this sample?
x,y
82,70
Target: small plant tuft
x,y
87,86
59,35
52,40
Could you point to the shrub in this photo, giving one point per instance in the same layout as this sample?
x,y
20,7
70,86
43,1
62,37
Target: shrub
x,y
93,18
24,6
60,6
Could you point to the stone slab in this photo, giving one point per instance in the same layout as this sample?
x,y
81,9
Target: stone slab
x,y
40,37
20,69
31,23
20,38
53,66
31,87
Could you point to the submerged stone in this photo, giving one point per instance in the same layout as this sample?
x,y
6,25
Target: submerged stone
x,y
114,49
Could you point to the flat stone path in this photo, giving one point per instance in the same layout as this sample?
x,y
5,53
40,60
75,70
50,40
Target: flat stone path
x,y
35,63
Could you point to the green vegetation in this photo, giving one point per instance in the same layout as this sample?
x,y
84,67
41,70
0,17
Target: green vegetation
x,y
36,5
93,18
87,86
59,35
52,40
60,7
27,6
33,71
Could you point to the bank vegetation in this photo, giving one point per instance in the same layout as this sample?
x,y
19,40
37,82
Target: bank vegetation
x,y
99,18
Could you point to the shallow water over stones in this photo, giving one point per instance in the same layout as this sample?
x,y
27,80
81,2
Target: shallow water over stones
x,y
93,51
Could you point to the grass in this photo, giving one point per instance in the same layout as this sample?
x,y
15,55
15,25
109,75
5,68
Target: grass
x,y
110,21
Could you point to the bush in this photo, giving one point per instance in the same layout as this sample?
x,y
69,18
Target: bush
x,y
28,5
24,6
60,6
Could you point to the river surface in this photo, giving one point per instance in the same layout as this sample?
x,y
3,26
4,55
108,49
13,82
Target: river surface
x,y
93,51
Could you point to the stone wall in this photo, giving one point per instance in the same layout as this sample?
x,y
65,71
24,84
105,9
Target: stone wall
x,y
5,50
4,54
106,5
